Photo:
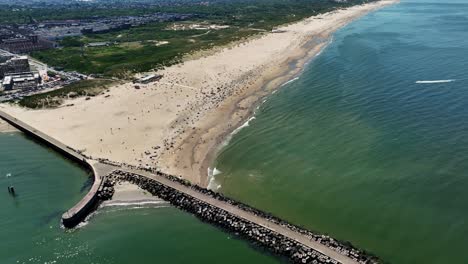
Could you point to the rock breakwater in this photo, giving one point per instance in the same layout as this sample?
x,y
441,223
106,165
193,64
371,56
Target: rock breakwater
x,y
256,234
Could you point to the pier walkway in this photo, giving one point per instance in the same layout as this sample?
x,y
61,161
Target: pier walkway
x,y
100,170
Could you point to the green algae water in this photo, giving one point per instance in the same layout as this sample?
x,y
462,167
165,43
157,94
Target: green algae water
x,y
47,185
370,143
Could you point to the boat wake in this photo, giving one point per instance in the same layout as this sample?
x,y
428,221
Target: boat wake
x,y
435,81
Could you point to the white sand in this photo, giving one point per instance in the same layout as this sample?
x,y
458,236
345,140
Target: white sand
x,y
177,124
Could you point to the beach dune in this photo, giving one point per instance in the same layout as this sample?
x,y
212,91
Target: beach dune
x,y
178,123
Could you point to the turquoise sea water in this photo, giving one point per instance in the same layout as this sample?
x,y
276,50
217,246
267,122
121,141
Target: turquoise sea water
x,y
47,185
362,146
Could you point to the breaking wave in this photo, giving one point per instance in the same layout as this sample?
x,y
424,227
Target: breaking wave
x,y
290,81
229,137
246,124
212,184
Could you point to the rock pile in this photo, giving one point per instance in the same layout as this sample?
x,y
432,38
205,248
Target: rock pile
x,y
343,247
106,191
256,234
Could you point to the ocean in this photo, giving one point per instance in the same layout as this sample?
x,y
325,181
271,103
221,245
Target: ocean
x,y
369,144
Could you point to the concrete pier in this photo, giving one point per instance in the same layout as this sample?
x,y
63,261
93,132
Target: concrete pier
x,y
297,244
79,212
89,203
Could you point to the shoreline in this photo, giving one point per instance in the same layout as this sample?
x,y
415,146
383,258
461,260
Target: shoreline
x,y
309,52
270,87
178,124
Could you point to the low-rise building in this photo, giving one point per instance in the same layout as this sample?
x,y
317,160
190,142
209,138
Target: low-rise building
x,y
7,84
14,65
26,80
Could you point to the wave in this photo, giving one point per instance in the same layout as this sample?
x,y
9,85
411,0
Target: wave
x,y
246,124
435,81
290,81
229,137
329,42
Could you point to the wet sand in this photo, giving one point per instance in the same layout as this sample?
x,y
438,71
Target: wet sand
x,y
6,128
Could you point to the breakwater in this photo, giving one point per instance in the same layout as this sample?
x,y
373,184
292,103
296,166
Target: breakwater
x,y
92,199
297,244
77,213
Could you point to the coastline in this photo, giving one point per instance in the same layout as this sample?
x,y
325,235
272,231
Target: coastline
x,y
289,71
177,125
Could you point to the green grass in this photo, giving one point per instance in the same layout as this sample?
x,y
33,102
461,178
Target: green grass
x,y
55,98
245,18
122,60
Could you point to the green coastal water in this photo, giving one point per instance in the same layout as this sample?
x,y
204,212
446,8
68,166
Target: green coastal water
x,y
47,185
370,143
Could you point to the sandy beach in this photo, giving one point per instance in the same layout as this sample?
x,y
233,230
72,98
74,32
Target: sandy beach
x,y
178,123
130,194
6,128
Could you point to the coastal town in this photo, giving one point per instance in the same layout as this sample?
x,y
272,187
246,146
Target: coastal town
x,y
35,36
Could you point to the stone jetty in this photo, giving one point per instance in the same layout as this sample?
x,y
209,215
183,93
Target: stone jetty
x,y
270,236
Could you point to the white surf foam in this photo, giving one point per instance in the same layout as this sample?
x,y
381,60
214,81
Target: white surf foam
x,y
212,184
435,81
246,124
329,42
114,206
80,225
229,137
216,171
290,81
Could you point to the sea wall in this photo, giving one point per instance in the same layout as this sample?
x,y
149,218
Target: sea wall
x,y
78,213
85,206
